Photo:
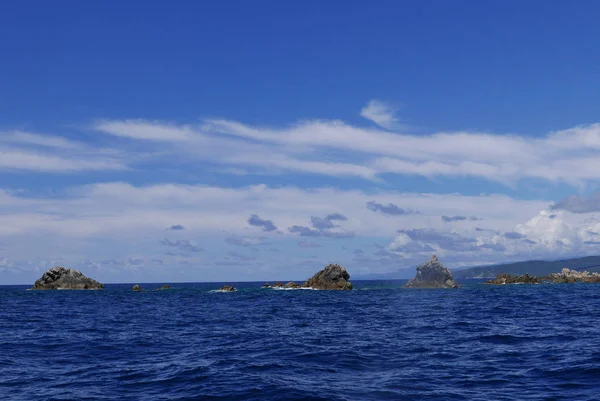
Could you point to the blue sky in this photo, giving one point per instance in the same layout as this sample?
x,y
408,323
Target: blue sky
x,y
276,137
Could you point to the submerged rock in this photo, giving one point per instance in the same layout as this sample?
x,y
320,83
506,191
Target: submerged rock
x,y
432,274
136,288
506,278
60,278
332,277
227,288
266,285
165,287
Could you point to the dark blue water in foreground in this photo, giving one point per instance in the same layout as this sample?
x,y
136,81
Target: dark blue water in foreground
x,y
378,342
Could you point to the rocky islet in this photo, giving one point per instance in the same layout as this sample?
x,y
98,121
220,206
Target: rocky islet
x,y
61,278
432,274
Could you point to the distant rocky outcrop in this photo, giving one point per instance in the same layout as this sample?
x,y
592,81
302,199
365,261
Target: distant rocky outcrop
x,y
565,276
574,276
60,278
505,278
332,277
136,288
164,287
291,284
227,288
432,274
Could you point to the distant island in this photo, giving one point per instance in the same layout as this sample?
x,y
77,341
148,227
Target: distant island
x,y
531,267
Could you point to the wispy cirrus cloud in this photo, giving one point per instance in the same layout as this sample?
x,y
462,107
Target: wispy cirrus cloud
x,y
24,151
382,114
370,153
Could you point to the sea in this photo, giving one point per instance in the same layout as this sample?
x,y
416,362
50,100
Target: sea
x,y
378,342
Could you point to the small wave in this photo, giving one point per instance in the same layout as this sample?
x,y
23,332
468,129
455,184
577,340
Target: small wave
x,y
222,291
290,289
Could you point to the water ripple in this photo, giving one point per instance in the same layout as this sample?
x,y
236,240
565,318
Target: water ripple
x,y
380,342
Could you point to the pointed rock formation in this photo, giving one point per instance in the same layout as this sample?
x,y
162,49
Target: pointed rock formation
x,y
60,278
332,277
432,274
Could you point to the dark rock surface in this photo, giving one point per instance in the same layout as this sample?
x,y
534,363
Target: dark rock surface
x,y
60,278
432,274
505,278
332,277
227,288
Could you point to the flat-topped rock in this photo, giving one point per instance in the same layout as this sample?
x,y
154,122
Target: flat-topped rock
x,y
60,278
332,277
505,278
227,288
432,274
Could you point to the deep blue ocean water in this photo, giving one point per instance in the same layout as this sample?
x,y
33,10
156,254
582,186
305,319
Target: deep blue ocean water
x,y
378,342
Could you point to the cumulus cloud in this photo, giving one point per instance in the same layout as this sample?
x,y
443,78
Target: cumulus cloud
x,y
389,209
308,244
579,203
177,227
336,216
513,235
304,231
323,227
321,223
241,256
135,261
182,245
246,242
448,219
256,221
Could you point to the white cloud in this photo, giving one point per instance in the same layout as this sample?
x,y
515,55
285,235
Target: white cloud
x,y
324,147
381,113
113,208
22,151
20,160
104,221
26,138
146,130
